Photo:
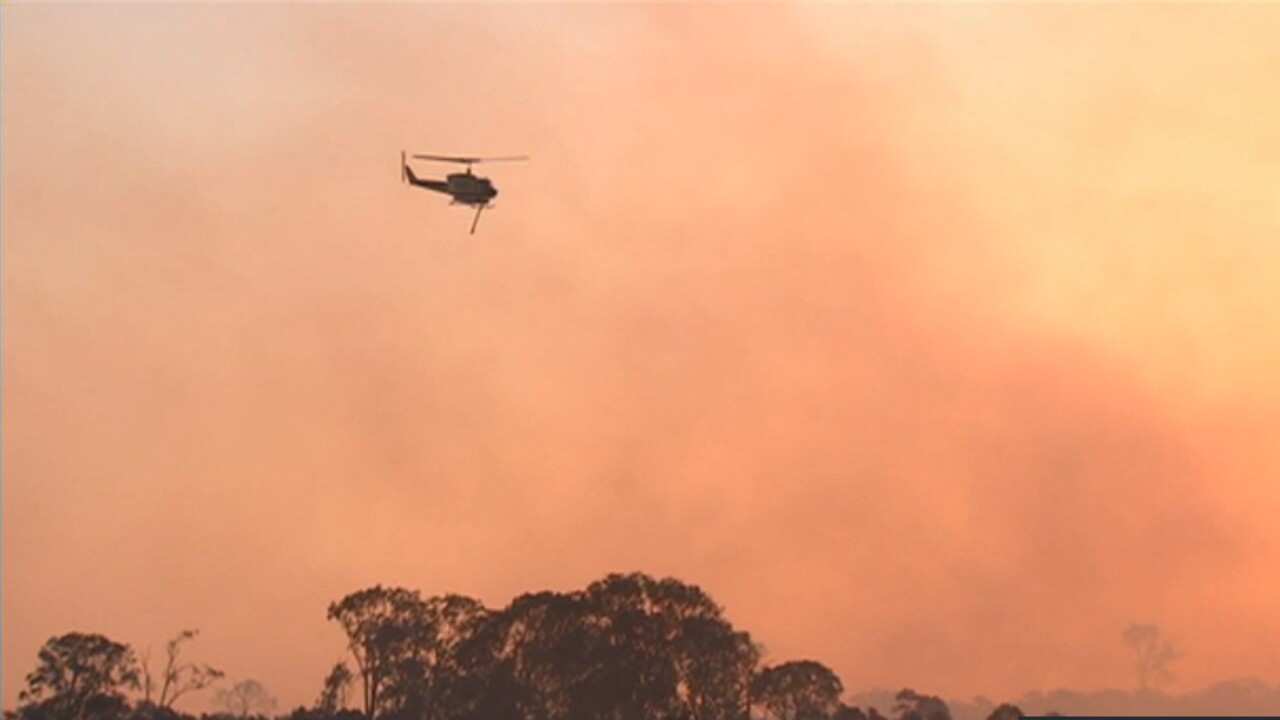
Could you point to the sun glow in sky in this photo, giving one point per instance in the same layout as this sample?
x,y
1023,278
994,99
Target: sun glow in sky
x,y
937,342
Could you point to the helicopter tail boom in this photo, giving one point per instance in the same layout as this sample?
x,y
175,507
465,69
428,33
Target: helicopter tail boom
x,y
437,185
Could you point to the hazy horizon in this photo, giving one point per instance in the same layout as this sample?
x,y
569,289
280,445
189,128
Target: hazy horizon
x,y
938,343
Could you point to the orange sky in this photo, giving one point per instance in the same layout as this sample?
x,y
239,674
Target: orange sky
x,y
938,343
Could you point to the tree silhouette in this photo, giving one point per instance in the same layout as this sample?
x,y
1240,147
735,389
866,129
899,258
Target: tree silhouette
x,y
333,697
915,706
626,647
846,712
382,626
1006,712
426,680
671,651
245,698
79,677
799,690
1154,653
177,678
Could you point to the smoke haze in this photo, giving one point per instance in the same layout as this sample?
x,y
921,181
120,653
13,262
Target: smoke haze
x,y
938,343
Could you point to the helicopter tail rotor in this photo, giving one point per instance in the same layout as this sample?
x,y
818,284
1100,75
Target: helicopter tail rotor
x,y
404,168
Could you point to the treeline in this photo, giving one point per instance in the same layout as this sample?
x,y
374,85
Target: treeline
x,y
628,647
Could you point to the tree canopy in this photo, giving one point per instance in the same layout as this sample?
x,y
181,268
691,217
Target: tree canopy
x,y
80,676
626,647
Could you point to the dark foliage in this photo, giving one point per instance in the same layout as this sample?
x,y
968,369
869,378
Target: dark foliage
x,y
627,647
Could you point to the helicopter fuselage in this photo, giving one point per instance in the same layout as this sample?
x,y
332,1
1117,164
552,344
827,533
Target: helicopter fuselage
x,y
464,188
470,189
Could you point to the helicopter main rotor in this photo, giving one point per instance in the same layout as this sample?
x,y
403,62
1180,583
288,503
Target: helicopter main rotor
x,y
469,161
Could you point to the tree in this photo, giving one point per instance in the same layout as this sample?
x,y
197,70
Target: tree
x,y
382,625
177,679
245,698
1154,653
524,661
336,685
1006,712
915,706
79,677
628,647
799,690
304,713
715,665
425,685
847,712
664,649
150,711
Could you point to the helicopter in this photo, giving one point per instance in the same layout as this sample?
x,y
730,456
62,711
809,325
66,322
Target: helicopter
x,y
465,188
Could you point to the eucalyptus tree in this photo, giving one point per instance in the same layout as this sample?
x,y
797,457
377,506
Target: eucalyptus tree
x,y
798,690
79,676
382,625
177,678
